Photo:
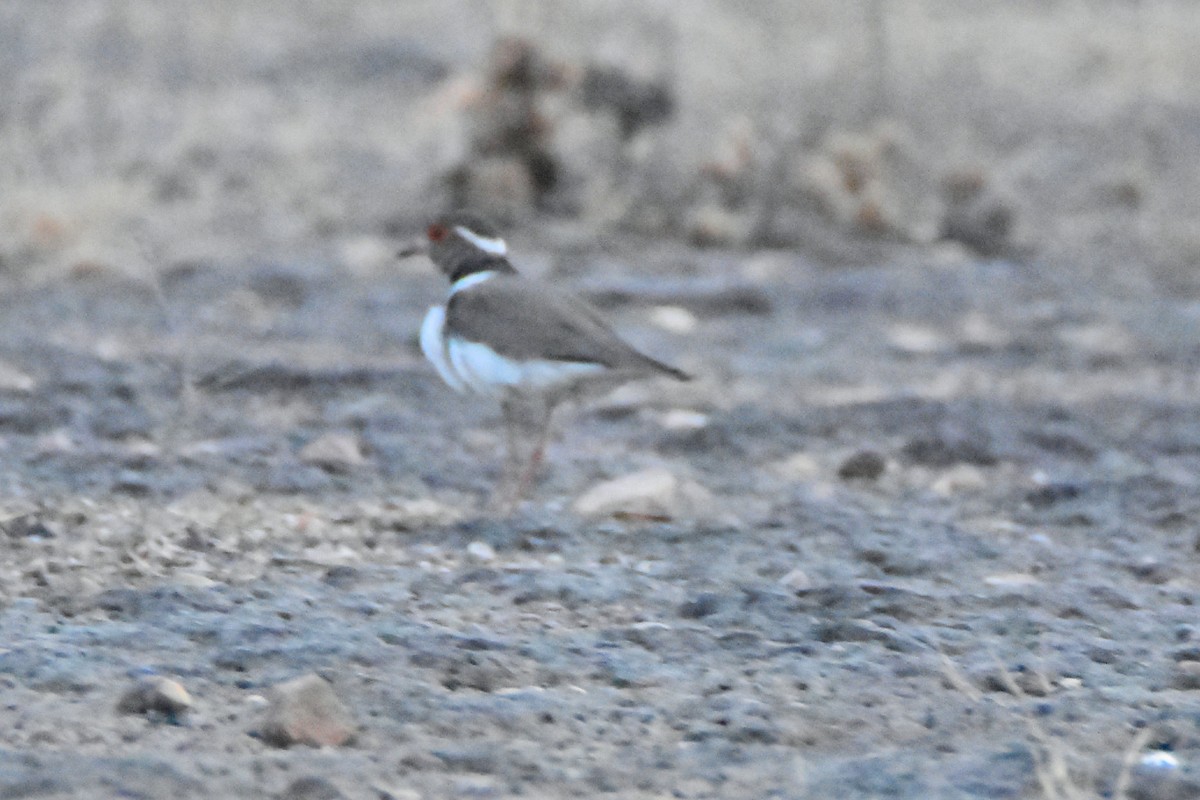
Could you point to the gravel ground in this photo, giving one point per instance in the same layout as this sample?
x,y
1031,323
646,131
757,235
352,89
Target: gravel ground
x,y
926,524
1013,594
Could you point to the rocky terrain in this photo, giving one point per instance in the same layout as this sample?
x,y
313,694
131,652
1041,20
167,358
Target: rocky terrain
x,y
925,525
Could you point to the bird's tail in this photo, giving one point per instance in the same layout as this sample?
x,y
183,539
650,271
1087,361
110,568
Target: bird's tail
x,y
667,369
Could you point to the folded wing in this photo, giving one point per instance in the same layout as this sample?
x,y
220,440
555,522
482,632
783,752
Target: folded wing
x,y
523,320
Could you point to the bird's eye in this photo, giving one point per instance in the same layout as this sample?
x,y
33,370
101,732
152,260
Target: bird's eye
x,y
437,232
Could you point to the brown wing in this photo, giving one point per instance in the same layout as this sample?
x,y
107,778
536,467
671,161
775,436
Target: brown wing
x,y
523,320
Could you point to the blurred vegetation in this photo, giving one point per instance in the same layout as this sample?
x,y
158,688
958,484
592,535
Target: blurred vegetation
x,y
138,132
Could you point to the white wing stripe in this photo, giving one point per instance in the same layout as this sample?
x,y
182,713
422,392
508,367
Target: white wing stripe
x,y
488,244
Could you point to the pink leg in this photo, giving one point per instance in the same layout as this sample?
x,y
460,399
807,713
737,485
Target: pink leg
x,y
538,455
504,495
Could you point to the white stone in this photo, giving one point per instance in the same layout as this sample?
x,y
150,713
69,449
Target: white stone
x,y
916,339
14,380
333,451
1011,580
1159,759
155,693
481,551
682,419
652,492
959,479
797,580
799,466
674,319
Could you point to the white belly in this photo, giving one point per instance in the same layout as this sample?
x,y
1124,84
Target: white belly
x,y
486,372
476,368
433,345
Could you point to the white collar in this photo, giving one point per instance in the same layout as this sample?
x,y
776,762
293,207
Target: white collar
x,y
474,279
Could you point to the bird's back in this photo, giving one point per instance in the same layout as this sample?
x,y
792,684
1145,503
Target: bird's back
x,y
525,320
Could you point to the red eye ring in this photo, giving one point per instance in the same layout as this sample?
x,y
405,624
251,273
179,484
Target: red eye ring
x,y
437,232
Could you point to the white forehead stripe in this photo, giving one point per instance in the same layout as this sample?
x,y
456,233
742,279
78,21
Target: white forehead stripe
x,y
467,281
488,244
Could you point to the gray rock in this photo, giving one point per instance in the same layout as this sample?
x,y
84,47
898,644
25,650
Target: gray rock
x,y
1158,776
863,465
336,452
311,787
940,451
702,605
155,694
654,493
480,759
305,710
1186,675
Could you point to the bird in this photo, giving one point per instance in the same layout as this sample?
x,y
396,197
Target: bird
x,y
530,345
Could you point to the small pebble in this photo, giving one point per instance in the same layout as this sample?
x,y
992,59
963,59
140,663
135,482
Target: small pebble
x,y
942,452
396,793
1159,759
481,551
797,580
1187,675
155,694
311,787
674,319
703,605
865,465
682,419
1011,580
1051,494
14,380
54,442
959,479
1151,570
916,340
798,467
1158,776
333,451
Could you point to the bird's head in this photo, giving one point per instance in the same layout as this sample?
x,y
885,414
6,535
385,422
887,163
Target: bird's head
x,y
457,240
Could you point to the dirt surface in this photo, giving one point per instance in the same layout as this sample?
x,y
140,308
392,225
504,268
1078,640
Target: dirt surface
x,y
928,526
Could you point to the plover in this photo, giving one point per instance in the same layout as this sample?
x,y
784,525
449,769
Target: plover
x,y
527,344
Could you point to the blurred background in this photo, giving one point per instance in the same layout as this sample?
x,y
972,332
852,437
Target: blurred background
x,y
158,133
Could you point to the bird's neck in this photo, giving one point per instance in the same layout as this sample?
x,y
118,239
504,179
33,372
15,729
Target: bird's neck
x,y
479,263
467,281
